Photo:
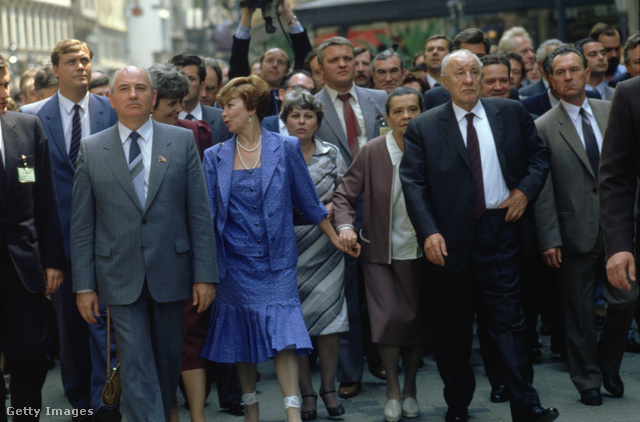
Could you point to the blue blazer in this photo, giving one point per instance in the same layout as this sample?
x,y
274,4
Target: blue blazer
x,y
285,183
101,117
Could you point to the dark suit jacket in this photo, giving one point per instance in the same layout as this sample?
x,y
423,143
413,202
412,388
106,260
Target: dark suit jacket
x,y
213,116
539,104
618,169
117,245
29,219
271,123
101,117
436,175
532,89
615,81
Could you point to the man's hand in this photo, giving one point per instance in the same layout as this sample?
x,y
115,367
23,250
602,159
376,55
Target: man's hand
x,y
516,204
52,279
621,269
348,238
552,257
284,10
247,15
435,249
203,295
88,306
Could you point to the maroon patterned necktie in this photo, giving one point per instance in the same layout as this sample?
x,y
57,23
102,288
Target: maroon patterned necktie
x,y
473,149
350,121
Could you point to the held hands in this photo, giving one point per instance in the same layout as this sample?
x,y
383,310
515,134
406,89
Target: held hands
x,y
552,257
348,238
516,204
88,306
435,249
203,295
52,279
621,270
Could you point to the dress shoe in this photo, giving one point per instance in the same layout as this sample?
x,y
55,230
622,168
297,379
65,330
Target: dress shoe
x,y
332,411
458,414
536,413
410,408
591,397
392,411
377,370
349,389
309,415
632,345
613,384
500,394
107,414
234,408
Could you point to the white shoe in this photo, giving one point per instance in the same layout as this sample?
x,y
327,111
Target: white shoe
x,y
410,408
392,411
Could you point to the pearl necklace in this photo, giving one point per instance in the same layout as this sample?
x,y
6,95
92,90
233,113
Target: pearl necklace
x,y
238,146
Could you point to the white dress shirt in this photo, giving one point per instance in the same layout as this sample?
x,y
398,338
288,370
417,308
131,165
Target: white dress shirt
x,y
355,105
432,81
196,112
145,141
66,113
495,188
574,114
403,245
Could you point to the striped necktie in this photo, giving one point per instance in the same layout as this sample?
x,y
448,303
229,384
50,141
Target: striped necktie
x,y
76,135
136,168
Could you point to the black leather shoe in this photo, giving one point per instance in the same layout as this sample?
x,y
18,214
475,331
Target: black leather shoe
x,y
500,394
613,384
377,370
234,408
459,414
591,397
536,413
632,345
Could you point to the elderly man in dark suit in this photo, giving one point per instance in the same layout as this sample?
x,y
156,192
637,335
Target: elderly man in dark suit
x,y
142,240
470,170
31,251
569,235
70,114
349,122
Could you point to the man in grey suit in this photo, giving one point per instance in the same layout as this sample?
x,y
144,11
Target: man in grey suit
x,y
350,120
569,232
142,240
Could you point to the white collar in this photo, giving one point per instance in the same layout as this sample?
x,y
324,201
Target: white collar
x,y
478,111
394,150
145,131
574,111
67,104
334,94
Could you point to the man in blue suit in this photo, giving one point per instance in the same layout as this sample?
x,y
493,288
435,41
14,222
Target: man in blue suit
x,y
69,115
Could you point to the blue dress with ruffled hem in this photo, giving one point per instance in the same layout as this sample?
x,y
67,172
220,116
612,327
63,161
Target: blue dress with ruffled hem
x,y
257,311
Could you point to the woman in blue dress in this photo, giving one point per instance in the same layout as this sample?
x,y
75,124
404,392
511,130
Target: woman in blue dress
x,y
254,181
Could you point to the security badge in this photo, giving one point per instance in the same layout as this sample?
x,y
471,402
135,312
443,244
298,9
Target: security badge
x,y
26,174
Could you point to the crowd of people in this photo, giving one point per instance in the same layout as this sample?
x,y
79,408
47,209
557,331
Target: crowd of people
x,y
221,216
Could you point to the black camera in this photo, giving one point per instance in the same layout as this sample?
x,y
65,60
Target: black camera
x,y
268,11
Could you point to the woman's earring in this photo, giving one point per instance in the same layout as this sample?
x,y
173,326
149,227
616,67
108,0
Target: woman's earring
x,y
250,119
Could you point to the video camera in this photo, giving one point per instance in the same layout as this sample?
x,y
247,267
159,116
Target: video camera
x,y
268,11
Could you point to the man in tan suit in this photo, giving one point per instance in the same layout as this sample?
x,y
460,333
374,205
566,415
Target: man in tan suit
x,y
569,233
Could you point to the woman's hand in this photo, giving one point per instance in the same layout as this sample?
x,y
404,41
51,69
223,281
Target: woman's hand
x,y
353,249
348,238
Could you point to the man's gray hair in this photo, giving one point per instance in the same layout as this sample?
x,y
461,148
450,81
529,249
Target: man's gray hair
x,y
443,66
128,68
507,43
540,52
386,55
331,42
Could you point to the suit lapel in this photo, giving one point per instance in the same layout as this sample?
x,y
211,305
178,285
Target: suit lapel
x,y
570,136
10,137
224,166
117,162
496,122
452,129
601,114
368,111
51,119
96,115
332,121
160,148
269,159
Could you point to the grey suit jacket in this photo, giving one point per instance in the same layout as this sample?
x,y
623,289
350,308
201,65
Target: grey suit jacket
x,y
372,103
567,212
116,244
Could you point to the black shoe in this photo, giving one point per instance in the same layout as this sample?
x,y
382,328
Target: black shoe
x,y
310,415
377,370
107,414
457,414
332,411
500,394
591,397
234,408
536,413
632,345
613,384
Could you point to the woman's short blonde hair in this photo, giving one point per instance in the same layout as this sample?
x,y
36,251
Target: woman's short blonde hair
x,y
252,90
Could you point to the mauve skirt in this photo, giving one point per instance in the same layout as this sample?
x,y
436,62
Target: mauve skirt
x,y
396,301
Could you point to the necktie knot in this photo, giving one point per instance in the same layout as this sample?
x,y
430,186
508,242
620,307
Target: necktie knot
x,y
134,136
190,117
344,97
469,117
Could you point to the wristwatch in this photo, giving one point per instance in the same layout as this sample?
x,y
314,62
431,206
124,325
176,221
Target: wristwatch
x,y
294,21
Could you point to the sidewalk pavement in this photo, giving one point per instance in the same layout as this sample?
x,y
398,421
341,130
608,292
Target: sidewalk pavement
x,y
551,381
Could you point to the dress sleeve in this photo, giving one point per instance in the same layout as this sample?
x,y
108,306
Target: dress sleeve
x,y
304,195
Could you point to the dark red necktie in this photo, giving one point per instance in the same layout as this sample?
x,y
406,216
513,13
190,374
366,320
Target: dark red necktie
x,y
350,121
473,149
